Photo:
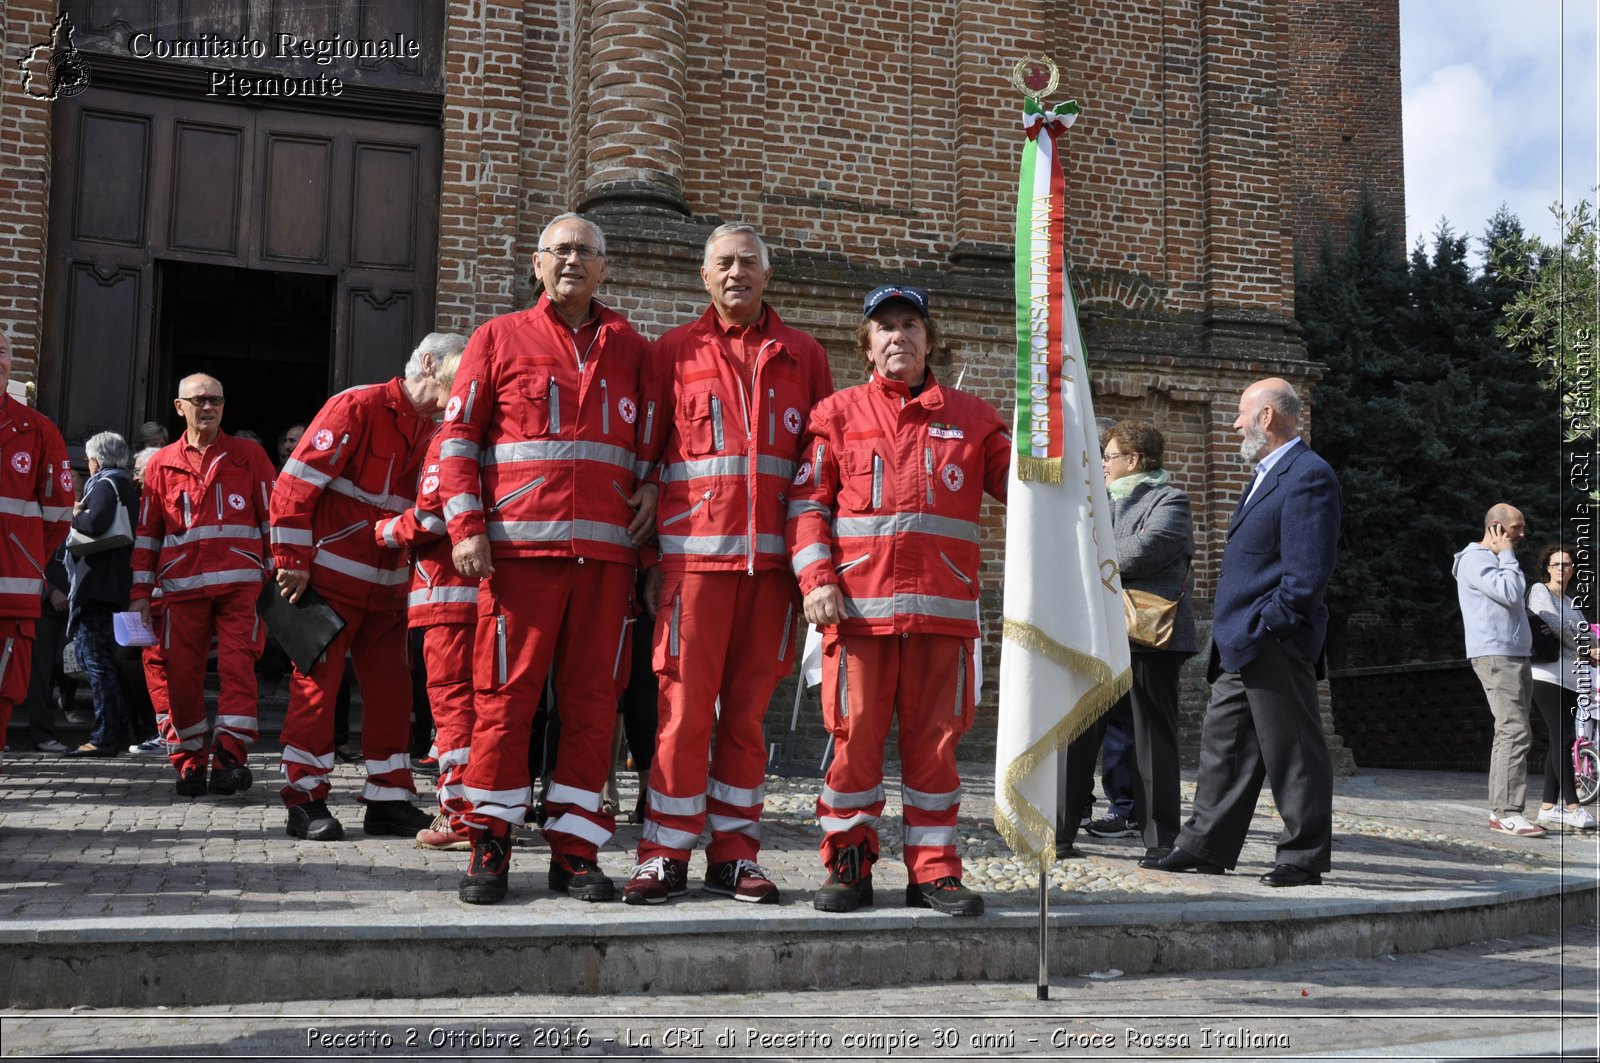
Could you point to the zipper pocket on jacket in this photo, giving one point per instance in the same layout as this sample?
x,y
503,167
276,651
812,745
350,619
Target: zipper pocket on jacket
x,y
877,481
716,423
850,564
254,560
23,550
501,666
691,511
649,419
772,417
622,641
168,566
672,626
472,399
342,533
620,491
927,466
518,493
555,408
844,683
219,504
605,409
337,451
183,498
962,576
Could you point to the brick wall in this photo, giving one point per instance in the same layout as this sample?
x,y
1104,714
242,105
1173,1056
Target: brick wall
x,y
24,185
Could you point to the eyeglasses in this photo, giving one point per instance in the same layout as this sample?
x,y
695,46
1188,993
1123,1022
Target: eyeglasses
x,y
584,252
1563,564
202,400
1114,457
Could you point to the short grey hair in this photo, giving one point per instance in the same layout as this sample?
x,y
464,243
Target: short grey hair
x,y
438,344
1285,401
599,234
734,228
110,450
141,459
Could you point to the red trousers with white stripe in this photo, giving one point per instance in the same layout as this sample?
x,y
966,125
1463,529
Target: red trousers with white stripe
x,y
531,612
727,636
186,628
866,680
155,678
376,643
447,654
16,666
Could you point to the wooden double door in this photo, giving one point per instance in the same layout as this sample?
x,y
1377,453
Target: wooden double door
x,y
294,252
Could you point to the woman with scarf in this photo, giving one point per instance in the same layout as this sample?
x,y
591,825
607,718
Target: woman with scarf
x,y
1155,548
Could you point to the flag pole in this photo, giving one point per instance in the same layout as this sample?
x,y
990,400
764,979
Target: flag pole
x,y
1042,991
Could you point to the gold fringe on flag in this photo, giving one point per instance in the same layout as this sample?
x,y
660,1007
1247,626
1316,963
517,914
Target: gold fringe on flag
x,y
1038,470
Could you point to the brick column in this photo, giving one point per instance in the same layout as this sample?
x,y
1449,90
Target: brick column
x,y
24,184
633,146
989,40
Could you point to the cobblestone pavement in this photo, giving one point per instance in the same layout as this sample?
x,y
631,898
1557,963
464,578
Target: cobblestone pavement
x,y
82,841
1531,997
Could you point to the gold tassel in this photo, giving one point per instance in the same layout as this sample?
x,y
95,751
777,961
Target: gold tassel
x,y
1038,470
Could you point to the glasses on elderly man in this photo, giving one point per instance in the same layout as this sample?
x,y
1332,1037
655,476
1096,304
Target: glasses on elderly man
x,y
201,400
584,252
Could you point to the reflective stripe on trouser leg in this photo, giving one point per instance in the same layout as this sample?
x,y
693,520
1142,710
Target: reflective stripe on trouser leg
x,y
381,657
155,678
308,725
241,636
587,687
859,675
935,704
186,628
519,618
447,652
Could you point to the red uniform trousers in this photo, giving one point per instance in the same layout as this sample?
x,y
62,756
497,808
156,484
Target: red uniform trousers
x,y
16,667
927,679
724,635
376,643
155,678
187,625
532,612
447,654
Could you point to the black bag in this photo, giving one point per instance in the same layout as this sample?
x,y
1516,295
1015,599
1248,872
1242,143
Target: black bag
x,y
1546,646
302,628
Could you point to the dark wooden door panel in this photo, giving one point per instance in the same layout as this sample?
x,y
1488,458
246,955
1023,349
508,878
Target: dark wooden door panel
x,y
105,317
297,199
207,193
113,157
383,325
383,228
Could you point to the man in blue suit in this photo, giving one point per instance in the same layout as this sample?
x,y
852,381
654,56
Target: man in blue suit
x,y
1267,634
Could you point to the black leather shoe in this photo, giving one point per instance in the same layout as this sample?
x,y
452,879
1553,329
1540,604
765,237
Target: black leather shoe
x,y
313,822
1182,862
1152,857
394,819
1289,875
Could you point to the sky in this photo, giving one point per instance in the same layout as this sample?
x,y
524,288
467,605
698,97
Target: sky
x,y
1490,115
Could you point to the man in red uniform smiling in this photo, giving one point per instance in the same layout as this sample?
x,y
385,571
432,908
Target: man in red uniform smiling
x,y
884,531
743,383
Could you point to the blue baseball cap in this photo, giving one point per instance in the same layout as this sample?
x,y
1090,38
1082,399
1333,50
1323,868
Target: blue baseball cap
x,y
882,294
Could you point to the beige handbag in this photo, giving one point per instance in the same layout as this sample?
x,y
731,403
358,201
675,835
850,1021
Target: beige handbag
x,y
1150,618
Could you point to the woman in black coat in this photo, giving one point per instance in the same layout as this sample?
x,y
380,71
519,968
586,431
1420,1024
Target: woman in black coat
x,y
100,585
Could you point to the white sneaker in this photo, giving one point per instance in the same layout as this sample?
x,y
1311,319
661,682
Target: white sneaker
x,y
1554,818
1580,818
1516,824
1567,818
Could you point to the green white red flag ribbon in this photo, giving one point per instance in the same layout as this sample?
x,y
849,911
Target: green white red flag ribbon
x,y
1064,652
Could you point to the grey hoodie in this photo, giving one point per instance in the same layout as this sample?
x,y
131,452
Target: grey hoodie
x,y
1492,592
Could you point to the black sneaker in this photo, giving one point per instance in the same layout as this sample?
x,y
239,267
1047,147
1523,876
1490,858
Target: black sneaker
x,y
945,895
394,819
313,822
192,782
229,776
581,878
1113,826
485,880
849,884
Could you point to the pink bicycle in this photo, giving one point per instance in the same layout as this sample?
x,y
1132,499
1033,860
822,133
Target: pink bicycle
x,y
1586,761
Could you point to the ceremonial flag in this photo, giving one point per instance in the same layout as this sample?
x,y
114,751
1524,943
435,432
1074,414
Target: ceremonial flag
x,y
1064,656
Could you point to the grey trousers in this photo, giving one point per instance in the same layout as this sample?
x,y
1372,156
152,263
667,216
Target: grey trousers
x,y
1508,684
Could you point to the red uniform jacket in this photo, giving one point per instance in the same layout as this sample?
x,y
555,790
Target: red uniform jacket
x,y
355,465
540,454
887,505
203,534
733,449
439,594
35,504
